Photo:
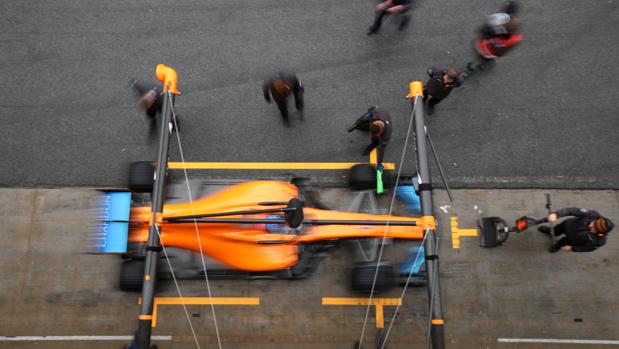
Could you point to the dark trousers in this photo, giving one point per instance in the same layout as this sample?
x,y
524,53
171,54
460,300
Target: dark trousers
x,y
557,231
378,18
431,100
479,62
298,100
282,103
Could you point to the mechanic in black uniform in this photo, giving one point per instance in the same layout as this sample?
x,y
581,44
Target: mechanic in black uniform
x,y
584,233
440,84
388,7
378,122
150,100
150,97
280,86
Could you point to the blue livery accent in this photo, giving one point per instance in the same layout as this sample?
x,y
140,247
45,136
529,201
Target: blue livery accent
x,y
112,237
415,260
407,194
116,206
111,232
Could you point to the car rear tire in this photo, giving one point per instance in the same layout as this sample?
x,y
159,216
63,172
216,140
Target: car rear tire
x,y
141,176
362,176
362,277
132,275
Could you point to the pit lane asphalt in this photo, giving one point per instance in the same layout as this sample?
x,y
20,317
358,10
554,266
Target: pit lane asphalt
x,y
545,116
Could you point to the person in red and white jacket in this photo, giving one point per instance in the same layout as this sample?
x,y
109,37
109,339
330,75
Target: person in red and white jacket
x,y
497,37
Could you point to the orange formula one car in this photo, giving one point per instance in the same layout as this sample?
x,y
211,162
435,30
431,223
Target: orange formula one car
x,y
256,229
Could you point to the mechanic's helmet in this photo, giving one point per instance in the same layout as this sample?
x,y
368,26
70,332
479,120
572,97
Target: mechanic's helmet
x,y
511,8
603,225
498,19
377,127
496,24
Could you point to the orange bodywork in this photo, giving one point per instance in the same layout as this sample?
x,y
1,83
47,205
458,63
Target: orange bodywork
x,y
253,247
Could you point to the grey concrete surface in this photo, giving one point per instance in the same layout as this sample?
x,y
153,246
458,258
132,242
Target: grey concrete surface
x,y
49,286
544,117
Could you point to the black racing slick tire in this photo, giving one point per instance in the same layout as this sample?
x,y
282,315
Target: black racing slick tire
x,y
141,176
362,176
362,277
132,275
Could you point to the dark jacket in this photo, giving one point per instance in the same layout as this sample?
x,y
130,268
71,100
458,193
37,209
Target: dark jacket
x,y
381,141
280,86
576,229
435,87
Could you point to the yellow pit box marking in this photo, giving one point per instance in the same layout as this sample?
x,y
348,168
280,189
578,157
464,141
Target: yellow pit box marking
x,y
199,301
379,303
457,233
268,165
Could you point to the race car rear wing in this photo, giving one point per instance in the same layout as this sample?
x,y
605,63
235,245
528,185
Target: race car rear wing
x,y
112,227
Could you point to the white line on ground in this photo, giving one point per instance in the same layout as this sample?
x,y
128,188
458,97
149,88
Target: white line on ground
x,y
77,338
557,341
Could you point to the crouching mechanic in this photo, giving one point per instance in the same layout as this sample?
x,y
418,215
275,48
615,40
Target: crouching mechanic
x,y
585,232
378,122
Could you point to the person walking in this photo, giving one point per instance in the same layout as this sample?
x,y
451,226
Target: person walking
x,y
279,87
442,81
586,231
150,97
399,7
498,36
377,121
150,101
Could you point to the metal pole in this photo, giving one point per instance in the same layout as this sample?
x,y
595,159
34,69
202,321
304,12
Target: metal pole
x,y
440,168
437,330
283,221
231,213
142,337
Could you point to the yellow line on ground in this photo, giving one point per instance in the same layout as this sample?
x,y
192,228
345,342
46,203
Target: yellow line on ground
x,y
268,165
456,232
208,300
361,301
378,303
380,320
374,156
199,301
